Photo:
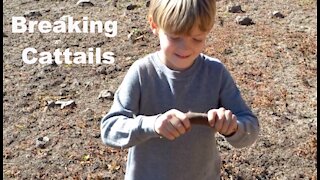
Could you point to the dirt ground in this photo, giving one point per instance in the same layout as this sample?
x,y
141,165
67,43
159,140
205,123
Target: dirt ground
x,y
274,63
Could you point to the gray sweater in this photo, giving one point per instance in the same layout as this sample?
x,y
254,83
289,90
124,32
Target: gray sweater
x,y
150,89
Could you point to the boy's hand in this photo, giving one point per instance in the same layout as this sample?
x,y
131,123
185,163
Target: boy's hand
x,y
224,121
172,124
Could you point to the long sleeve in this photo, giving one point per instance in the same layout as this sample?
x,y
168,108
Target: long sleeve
x,y
248,124
120,127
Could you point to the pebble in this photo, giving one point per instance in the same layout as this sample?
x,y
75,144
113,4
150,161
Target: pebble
x,y
227,51
63,85
96,166
130,36
32,13
4,35
131,7
277,14
106,94
244,20
102,70
63,92
96,135
148,4
75,84
235,9
26,94
51,104
63,104
42,142
221,20
85,3
64,18
114,3
57,42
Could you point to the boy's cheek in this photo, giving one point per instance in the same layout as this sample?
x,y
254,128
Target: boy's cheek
x,y
166,46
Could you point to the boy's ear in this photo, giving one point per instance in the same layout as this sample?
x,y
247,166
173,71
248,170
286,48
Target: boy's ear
x,y
153,25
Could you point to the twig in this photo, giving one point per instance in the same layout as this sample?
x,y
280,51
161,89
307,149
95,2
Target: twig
x,y
198,118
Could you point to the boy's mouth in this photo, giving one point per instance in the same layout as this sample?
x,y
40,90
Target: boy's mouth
x,y
182,56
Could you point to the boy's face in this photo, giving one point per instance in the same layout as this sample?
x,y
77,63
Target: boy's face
x,y
178,52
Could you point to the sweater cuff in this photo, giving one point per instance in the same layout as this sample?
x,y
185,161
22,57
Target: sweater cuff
x,y
238,134
147,125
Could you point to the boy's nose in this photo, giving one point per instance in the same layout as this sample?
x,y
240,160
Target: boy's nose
x,y
184,45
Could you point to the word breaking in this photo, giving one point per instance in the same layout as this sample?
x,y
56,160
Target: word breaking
x,y
20,25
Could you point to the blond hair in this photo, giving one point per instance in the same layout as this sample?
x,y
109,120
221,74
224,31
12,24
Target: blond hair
x,y
180,16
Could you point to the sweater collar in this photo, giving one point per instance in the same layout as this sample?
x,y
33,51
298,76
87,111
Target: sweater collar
x,y
174,74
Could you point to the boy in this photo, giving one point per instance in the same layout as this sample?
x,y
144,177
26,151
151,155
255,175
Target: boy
x,y
148,114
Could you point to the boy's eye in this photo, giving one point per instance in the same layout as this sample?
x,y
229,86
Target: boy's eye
x,y
198,40
174,37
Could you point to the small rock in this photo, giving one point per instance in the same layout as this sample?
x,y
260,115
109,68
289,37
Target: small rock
x,y
96,166
148,4
65,18
85,3
106,94
57,42
32,13
131,7
98,44
63,85
42,142
244,20
75,84
26,94
277,14
135,35
88,84
130,36
50,104
221,21
4,35
117,68
64,104
63,92
47,10
102,70
235,9
114,3
227,51
96,135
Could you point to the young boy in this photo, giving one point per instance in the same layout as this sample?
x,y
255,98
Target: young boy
x,y
148,114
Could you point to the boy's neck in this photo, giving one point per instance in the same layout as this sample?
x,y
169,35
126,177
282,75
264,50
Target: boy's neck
x,y
163,60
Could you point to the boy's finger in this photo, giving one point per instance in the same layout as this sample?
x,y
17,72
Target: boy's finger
x,y
183,119
177,123
166,133
227,122
219,120
172,129
233,127
212,116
